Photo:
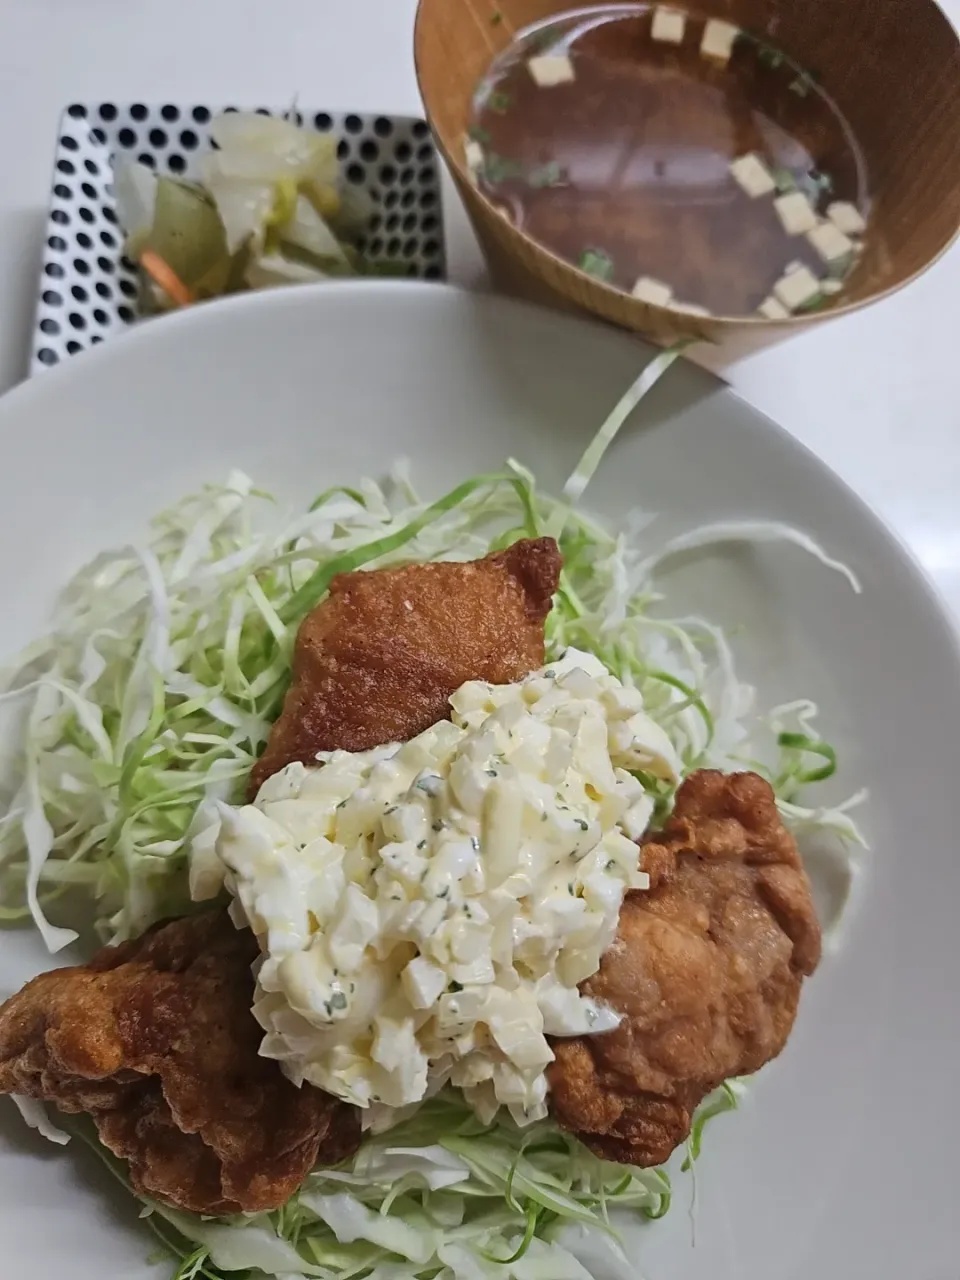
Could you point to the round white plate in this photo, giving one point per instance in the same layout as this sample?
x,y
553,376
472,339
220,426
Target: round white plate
x,y
841,1164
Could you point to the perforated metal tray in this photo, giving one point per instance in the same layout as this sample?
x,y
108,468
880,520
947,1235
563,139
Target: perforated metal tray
x,y
88,289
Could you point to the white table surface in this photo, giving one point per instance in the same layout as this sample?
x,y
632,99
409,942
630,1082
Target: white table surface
x,y
875,395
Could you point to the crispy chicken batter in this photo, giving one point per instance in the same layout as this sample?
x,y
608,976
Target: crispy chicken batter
x,y
377,661
706,968
155,1039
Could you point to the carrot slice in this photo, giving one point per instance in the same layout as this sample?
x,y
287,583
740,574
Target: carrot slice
x,y
162,274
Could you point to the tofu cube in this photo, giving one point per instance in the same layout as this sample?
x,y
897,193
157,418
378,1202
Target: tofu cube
x,y
796,213
718,38
655,292
797,288
830,243
795,265
668,25
831,286
846,217
753,175
773,310
549,69
473,156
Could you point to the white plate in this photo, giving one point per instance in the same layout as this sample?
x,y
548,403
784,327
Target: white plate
x,y
841,1166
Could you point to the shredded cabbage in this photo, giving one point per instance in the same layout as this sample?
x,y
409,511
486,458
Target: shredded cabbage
x,y
35,1115
166,665
440,1190
152,696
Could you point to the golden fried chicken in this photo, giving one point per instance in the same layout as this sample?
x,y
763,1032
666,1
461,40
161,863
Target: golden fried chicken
x,y
156,1041
377,661
706,968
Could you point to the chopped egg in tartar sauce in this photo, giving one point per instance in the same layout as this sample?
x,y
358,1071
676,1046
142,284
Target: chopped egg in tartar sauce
x,y
426,910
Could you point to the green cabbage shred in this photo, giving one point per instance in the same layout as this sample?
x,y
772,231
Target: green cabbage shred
x,y
489,1191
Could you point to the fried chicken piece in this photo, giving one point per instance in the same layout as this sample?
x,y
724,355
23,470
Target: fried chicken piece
x,y
706,968
377,661
156,1041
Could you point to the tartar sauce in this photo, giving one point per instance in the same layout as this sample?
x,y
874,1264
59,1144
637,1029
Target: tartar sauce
x,y
426,910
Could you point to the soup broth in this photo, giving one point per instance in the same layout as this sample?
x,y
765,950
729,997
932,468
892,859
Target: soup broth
x,y
673,157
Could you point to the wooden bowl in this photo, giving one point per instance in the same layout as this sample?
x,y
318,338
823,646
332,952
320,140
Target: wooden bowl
x,y
892,66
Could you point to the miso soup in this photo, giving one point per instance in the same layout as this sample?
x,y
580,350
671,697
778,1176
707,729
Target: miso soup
x,y
675,157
